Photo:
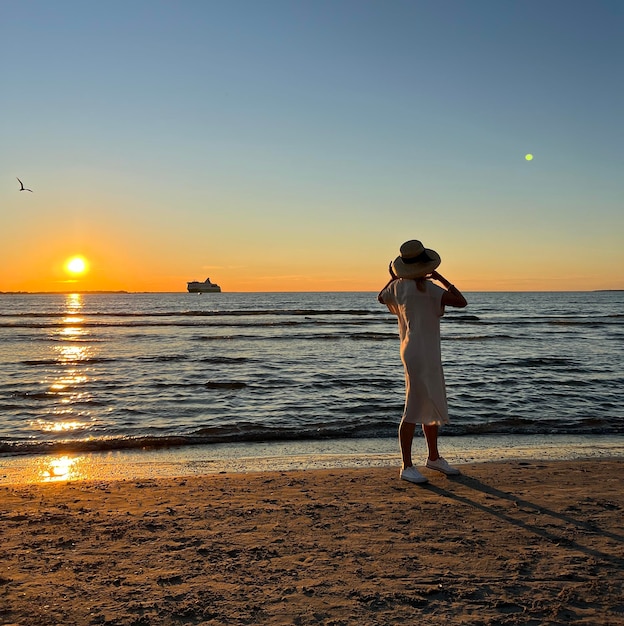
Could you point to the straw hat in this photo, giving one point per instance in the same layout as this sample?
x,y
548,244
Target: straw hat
x,y
415,260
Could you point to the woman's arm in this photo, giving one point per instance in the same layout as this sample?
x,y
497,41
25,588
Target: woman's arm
x,y
379,298
453,296
393,277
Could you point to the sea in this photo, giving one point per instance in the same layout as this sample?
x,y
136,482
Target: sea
x,y
139,372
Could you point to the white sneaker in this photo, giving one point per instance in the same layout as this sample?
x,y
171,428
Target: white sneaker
x,y
440,465
412,475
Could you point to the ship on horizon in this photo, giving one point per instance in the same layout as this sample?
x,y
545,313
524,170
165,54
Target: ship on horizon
x,y
195,286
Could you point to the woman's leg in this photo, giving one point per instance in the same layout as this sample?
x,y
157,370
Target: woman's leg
x,y
406,435
431,435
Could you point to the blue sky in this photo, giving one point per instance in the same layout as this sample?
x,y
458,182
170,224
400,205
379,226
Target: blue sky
x,y
294,145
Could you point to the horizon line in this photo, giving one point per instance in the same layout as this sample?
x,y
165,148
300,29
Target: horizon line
x,y
217,294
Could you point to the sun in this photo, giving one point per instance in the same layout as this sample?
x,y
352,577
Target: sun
x,y
76,266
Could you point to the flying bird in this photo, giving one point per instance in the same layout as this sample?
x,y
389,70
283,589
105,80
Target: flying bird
x,y
22,188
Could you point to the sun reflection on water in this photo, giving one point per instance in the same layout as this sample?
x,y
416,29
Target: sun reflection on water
x,y
68,354
68,381
72,332
62,426
72,321
73,303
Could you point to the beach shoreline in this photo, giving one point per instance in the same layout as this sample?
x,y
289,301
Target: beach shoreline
x,y
518,542
297,455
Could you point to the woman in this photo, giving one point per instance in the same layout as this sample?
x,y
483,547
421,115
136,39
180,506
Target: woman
x,y
419,304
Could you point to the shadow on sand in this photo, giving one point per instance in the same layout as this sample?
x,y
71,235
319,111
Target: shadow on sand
x,y
539,523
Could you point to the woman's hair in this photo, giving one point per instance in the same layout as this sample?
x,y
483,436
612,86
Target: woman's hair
x,y
421,283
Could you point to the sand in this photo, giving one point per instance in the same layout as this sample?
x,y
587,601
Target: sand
x,y
520,542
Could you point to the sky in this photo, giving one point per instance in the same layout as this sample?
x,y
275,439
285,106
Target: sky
x,y
293,145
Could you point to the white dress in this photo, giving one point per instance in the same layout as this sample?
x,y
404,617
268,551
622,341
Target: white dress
x,y
419,316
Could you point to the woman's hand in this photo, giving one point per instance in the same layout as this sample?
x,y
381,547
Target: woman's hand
x,y
437,276
393,277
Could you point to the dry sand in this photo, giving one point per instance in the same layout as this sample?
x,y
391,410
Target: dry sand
x,y
508,543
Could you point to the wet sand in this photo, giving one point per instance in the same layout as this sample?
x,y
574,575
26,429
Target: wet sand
x,y
291,455
516,542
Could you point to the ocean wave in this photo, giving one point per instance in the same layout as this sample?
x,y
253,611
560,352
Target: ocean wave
x,y
34,395
253,433
590,322
225,360
317,336
501,337
197,313
547,362
225,385
285,323
178,324
197,385
162,358
456,317
64,360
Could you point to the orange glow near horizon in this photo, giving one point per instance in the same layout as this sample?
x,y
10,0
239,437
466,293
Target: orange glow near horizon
x,y
130,272
234,284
